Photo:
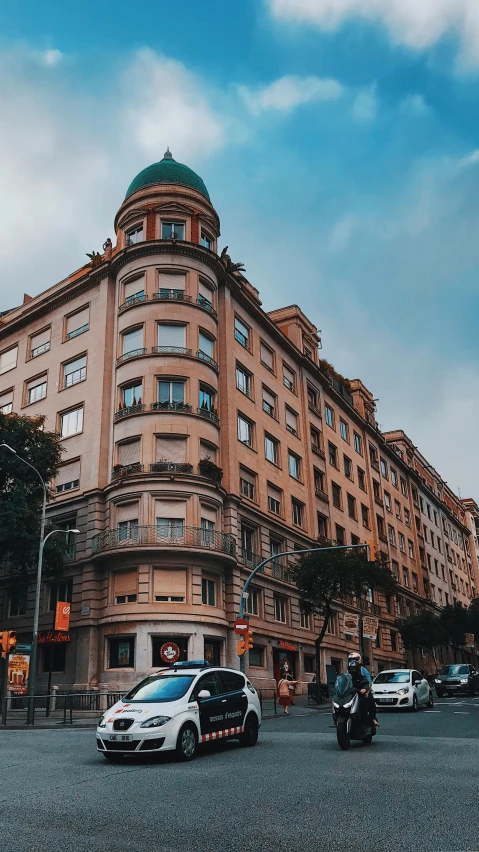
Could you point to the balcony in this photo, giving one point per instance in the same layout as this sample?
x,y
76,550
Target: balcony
x,y
313,408
211,470
317,449
171,467
154,536
375,463
171,296
171,350
250,559
130,409
204,303
383,537
127,355
321,494
204,357
209,415
131,301
171,406
292,430
379,501
126,470
280,572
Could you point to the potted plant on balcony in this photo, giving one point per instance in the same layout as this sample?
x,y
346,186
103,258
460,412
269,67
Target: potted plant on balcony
x,y
210,469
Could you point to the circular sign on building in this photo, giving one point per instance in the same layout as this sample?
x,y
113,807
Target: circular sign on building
x,y
169,652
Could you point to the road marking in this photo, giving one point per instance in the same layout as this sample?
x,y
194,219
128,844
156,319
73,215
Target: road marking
x,y
461,713
433,711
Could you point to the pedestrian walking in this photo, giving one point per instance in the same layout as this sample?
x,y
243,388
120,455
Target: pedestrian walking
x,y
284,693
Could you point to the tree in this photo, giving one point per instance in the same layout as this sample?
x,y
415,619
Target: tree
x,y
21,496
324,577
454,621
424,631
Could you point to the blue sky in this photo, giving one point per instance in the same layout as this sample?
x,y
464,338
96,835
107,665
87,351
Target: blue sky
x,y
338,140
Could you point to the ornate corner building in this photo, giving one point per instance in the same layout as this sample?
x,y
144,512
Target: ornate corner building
x,y
201,435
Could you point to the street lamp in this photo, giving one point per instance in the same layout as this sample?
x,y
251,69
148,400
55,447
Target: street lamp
x,y
43,538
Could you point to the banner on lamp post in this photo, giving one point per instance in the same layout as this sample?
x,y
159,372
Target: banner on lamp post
x,y
62,616
370,626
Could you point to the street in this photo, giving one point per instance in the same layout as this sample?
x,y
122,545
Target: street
x,y
415,787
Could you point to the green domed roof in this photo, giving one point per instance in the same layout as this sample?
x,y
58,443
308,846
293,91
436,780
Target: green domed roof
x,y
168,171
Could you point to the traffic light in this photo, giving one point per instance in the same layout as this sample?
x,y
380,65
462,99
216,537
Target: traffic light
x,y
241,647
248,640
372,550
8,642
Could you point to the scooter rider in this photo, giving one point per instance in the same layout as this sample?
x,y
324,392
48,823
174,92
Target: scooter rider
x,y
355,657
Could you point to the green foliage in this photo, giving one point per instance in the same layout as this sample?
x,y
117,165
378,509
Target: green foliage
x,y
423,630
21,495
454,621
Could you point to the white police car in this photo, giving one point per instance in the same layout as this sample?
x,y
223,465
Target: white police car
x,y
178,708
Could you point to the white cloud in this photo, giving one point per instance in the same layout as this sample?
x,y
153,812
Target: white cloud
x,y
289,92
365,105
50,58
416,24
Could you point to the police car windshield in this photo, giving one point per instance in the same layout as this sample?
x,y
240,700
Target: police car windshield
x,y
161,688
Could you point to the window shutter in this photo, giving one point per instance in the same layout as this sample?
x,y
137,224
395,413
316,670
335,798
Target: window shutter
x,y
291,419
73,366
206,344
171,449
208,513
133,287
78,320
127,512
39,339
35,382
247,476
169,582
8,360
6,399
68,473
133,340
205,291
269,398
125,582
207,451
129,453
170,509
171,335
172,281
266,356
288,374
274,493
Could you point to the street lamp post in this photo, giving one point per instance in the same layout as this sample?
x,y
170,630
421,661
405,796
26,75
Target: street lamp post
x,y
33,659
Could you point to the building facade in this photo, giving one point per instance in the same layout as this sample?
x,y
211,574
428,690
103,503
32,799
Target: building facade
x,y
202,434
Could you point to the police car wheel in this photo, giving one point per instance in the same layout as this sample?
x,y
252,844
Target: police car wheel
x,y
249,737
187,742
115,758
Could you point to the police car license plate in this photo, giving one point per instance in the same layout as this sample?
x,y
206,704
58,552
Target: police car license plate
x,y
123,738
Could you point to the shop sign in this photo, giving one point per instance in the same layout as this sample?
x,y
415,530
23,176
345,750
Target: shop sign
x,y
17,676
50,637
370,626
170,652
351,623
62,616
287,646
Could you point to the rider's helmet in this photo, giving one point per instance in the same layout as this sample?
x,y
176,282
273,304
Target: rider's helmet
x,y
355,655
354,668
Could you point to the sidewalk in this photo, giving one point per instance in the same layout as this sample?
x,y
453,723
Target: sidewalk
x,y
299,708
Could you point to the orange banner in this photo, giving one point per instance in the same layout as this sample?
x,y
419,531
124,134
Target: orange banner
x,y
62,616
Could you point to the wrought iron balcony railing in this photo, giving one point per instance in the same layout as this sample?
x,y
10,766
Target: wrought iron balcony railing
x,y
204,357
170,406
171,467
127,355
209,415
204,303
125,470
130,409
158,536
171,350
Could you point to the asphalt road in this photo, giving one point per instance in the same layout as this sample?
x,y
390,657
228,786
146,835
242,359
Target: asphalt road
x,y
415,787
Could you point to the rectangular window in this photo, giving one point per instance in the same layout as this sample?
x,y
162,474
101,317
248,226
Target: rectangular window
x,y
271,449
245,431
247,483
358,444
269,402
208,592
256,656
352,507
60,592
348,467
8,360
336,491
410,547
134,291
243,380
384,468
17,603
169,585
340,537
405,575
309,664
171,285
132,340
170,529
329,416
71,423
387,501
206,241
318,480
298,513
274,500
125,586
407,517
373,456
402,543
333,454
322,525
279,608
77,323
403,487
397,507
312,397
361,479
6,402
132,394
394,477
40,343
275,548
172,230
380,523
267,357
36,389
67,477
135,235
171,337
171,394
294,465
392,535
206,344
127,531
344,430
74,371
305,622
242,333
291,421
288,378
206,399
121,653
170,449
252,603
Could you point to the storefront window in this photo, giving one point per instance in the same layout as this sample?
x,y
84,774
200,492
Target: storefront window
x,y
157,643
121,653
256,656
309,664
213,651
57,654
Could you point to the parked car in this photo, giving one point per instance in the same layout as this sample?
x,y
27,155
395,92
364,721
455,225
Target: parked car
x,y
403,688
457,677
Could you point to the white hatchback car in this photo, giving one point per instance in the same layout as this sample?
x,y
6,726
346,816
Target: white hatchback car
x,y
403,688
179,707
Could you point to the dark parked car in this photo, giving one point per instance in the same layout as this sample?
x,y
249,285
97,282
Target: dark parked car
x,y
458,677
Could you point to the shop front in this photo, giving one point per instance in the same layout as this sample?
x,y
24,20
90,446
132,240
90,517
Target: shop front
x,y
285,660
